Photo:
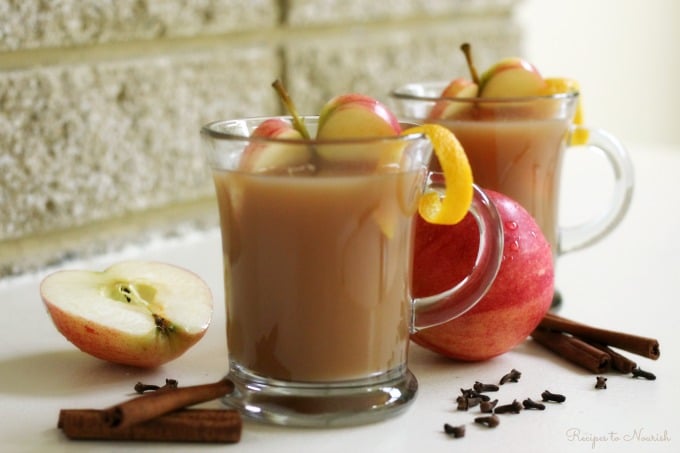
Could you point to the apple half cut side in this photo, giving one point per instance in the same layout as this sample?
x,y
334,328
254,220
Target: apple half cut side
x,y
138,313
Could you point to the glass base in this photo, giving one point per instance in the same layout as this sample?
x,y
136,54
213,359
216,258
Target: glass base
x,y
322,405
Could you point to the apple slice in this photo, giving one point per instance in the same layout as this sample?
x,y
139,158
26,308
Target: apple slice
x,y
261,156
511,77
458,88
356,116
137,313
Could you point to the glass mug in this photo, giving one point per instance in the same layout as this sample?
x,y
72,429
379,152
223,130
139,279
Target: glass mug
x,y
516,147
317,271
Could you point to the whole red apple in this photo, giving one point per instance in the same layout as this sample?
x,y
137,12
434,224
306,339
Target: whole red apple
x,y
517,300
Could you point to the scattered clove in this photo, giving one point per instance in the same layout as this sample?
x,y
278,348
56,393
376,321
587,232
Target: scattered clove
x,y
531,404
554,397
464,403
490,421
140,387
513,408
454,431
472,393
601,382
638,372
512,376
480,387
487,406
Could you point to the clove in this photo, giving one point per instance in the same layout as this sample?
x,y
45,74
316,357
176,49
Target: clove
x,y
531,404
471,393
464,403
513,408
487,406
601,382
480,387
637,372
140,387
490,421
554,397
512,376
454,431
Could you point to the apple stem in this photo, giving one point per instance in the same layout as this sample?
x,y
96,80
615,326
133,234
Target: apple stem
x,y
298,123
467,50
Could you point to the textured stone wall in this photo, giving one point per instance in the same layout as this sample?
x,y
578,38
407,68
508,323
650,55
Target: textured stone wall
x,y
101,101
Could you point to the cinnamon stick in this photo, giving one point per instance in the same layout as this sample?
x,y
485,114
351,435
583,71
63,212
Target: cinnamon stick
x,y
186,425
619,362
573,349
152,405
643,346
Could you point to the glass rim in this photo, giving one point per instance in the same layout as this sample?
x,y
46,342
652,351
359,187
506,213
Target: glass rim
x,y
406,92
210,130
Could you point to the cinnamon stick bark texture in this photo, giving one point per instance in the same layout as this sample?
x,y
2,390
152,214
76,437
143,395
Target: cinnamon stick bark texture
x,y
186,425
573,349
152,405
618,362
643,346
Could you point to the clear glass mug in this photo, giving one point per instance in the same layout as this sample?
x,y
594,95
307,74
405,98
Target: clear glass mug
x,y
317,260
516,147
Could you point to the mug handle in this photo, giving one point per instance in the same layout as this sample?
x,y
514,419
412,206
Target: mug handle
x,y
576,237
439,308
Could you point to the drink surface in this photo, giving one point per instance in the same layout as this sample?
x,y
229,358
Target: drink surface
x,y
317,270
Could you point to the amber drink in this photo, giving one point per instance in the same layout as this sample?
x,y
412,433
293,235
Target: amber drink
x,y
317,253
516,146
336,302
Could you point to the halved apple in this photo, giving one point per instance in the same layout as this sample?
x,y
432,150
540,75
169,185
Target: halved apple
x,y
138,313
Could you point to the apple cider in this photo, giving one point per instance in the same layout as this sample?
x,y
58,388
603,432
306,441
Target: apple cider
x,y
520,158
317,272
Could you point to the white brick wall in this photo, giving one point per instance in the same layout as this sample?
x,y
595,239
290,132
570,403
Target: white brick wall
x,y
101,101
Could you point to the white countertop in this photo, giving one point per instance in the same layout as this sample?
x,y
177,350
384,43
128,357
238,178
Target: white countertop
x,y
630,282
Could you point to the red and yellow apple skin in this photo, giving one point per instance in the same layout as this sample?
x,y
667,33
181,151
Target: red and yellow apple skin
x,y
511,77
135,313
517,300
356,116
460,88
267,156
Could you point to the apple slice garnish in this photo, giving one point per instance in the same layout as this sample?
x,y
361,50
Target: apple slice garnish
x,y
138,313
458,88
261,156
511,77
357,116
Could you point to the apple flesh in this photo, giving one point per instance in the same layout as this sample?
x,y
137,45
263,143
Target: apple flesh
x,y
260,155
458,88
356,116
137,313
517,300
511,77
